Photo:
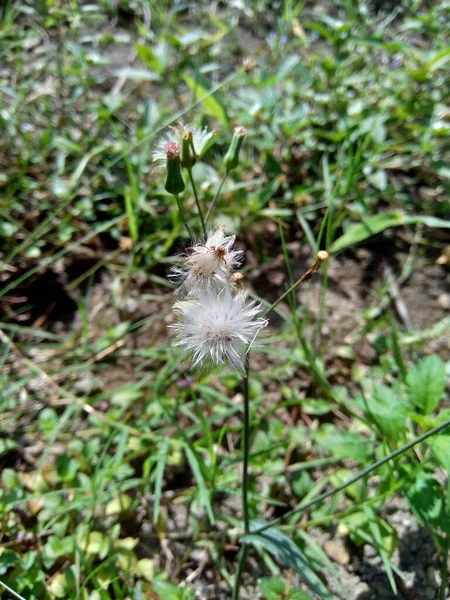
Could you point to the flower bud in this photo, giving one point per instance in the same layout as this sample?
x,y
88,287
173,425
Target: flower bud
x,y
231,158
187,153
174,180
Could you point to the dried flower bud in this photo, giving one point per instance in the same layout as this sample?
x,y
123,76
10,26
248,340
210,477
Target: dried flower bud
x,y
174,180
237,279
248,64
231,158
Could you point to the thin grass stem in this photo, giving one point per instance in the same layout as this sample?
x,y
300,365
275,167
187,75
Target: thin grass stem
x,y
214,200
239,571
379,463
246,446
321,257
245,511
12,592
444,570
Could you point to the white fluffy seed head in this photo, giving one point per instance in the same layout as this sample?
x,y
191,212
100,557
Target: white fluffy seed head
x,y
209,264
217,328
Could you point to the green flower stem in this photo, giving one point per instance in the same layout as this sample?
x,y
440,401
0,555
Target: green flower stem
x,y
197,202
180,208
245,512
444,570
240,569
213,203
303,506
246,447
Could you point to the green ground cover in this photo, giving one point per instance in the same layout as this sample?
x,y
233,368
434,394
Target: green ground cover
x,y
120,468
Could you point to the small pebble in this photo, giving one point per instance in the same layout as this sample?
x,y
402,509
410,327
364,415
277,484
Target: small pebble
x,y
337,552
433,578
361,591
444,301
356,563
429,593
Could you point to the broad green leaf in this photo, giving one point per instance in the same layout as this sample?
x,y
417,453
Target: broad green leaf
x,y
211,104
95,543
6,445
377,223
118,505
358,526
426,383
343,444
170,591
341,476
274,588
8,559
388,410
426,499
146,568
441,449
288,553
156,58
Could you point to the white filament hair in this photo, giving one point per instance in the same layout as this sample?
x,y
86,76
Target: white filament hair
x,y
217,328
208,264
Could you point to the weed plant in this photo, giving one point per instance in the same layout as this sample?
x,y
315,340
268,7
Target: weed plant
x,y
317,137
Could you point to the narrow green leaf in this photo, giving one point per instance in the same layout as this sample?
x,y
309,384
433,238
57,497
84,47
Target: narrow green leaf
x,y
380,543
377,223
204,494
287,552
159,473
131,215
362,231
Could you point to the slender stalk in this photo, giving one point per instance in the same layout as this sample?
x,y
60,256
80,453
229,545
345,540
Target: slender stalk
x,y
303,506
214,200
180,208
239,571
321,257
246,448
245,512
444,570
197,202
12,592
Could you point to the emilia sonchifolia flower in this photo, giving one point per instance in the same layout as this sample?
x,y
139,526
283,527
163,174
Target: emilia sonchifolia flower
x,y
198,139
217,328
208,264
